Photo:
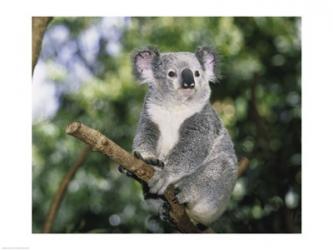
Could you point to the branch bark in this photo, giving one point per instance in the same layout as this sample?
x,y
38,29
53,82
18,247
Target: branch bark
x,y
39,25
58,197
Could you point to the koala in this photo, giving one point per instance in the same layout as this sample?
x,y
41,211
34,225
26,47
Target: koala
x,y
180,134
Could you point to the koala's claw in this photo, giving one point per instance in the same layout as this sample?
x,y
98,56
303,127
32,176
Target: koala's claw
x,y
146,194
122,170
155,162
137,155
149,160
177,191
165,213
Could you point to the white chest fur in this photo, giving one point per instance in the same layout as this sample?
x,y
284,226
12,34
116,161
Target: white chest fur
x,y
169,121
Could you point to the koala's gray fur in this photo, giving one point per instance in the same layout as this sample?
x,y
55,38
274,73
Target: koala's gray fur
x,y
179,127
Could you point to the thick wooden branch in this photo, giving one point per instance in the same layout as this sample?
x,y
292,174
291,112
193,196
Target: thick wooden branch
x,y
98,141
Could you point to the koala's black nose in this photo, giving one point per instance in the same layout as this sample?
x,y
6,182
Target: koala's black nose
x,y
187,79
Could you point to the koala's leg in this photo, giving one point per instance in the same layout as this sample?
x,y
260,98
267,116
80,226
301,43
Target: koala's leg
x,y
161,207
155,205
207,192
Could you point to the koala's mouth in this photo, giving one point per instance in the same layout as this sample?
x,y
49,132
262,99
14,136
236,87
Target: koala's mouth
x,y
187,92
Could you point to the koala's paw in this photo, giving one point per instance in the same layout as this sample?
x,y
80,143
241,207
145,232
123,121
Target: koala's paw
x,y
165,213
181,196
160,181
146,193
149,160
122,170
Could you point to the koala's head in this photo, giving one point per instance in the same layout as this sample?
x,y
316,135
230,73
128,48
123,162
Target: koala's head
x,y
176,76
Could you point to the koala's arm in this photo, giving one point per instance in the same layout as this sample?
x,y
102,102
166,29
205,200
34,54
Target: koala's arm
x,y
195,140
145,140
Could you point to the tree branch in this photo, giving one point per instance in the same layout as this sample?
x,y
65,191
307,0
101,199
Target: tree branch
x,y
243,165
261,128
55,204
39,25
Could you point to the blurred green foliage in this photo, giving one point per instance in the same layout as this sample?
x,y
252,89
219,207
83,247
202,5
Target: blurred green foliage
x,y
84,74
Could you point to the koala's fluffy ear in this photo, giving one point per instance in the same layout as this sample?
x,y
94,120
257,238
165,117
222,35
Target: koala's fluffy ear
x,y
143,62
209,61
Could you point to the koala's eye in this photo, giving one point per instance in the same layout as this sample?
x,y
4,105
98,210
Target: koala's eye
x,y
172,73
196,73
